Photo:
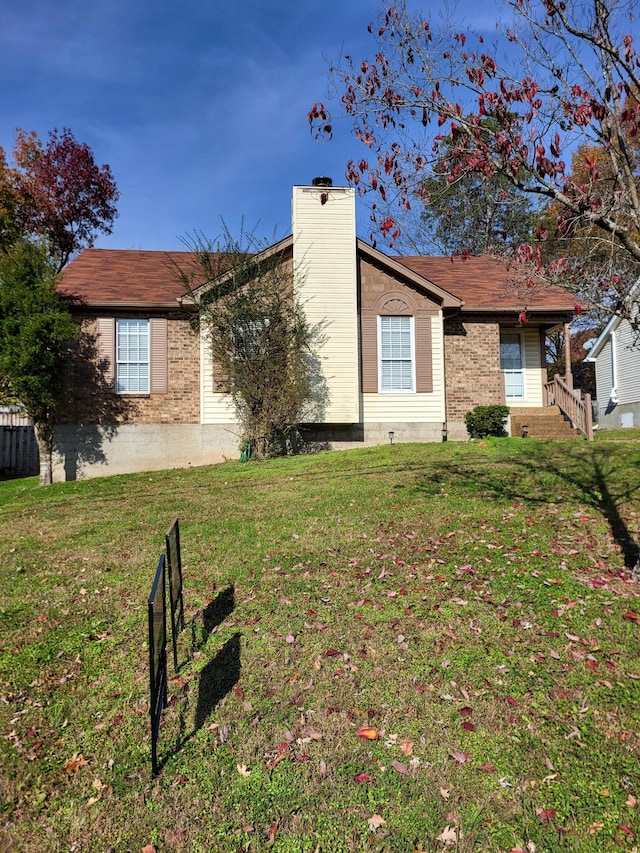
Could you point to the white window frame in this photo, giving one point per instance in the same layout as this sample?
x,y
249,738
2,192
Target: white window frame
x,y
125,385
523,368
381,388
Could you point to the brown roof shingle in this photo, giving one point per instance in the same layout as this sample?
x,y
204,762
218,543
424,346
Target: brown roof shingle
x,y
123,277
484,284
135,278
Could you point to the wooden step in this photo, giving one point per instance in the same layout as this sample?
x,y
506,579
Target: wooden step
x,y
542,423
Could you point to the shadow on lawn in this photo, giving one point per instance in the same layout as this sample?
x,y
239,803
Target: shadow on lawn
x,y
219,676
553,473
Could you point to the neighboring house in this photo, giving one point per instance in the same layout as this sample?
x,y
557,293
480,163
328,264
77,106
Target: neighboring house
x,y
616,355
410,344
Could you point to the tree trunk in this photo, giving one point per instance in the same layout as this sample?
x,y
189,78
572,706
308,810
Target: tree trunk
x,y
44,439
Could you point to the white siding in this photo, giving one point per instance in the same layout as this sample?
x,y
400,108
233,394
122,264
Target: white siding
x,y
324,256
414,408
535,373
628,364
604,375
214,408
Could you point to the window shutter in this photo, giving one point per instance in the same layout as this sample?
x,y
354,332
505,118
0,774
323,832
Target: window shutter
x,y
158,355
424,358
369,336
106,347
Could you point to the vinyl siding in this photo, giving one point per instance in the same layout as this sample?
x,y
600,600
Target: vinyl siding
x,y
604,375
628,364
215,408
535,371
324,254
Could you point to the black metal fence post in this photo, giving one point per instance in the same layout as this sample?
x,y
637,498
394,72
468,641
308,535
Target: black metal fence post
x,y
174,561
157,656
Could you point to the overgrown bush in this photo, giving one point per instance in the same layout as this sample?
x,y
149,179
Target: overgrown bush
x,y
486,420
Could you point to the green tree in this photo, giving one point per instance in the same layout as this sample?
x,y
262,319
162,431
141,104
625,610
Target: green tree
x,y
258,335
476,216
36,330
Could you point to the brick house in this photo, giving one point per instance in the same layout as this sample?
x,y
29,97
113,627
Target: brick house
x,y
411,344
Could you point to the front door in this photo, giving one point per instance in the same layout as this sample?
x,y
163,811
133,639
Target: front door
x,y
512,364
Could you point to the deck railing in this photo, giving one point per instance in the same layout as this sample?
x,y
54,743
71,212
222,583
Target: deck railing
x,y
575,406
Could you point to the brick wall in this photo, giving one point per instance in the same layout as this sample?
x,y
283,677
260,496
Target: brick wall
x,y
90,398
472,364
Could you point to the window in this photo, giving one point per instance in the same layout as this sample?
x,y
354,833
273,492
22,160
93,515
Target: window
x,y
511,364
132,356
396,354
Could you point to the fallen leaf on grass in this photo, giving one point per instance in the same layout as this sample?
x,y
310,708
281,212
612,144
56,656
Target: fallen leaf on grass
x,y
445,793
71,765
399,767
368,734
242,770
449,835
406,746
148,848
469,727
362,777
271,834
546,815
460,757
375,822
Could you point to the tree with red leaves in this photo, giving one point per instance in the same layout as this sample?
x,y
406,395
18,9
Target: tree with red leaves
x,y
562,73
57,192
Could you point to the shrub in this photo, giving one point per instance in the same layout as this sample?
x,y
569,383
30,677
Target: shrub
x,y
486,420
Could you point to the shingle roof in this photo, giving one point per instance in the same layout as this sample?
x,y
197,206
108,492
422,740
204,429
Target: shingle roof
x,y
145,278
484,284
123,277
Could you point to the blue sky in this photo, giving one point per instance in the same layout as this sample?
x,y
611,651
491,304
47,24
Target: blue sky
x,y
199,107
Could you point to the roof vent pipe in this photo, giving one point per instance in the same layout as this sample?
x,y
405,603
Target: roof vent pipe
x,y
322,182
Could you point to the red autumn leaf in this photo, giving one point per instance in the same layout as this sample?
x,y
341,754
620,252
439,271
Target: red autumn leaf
x,y
631,616
624,828
469,727
271,834
466,711
487,768
362,777
330,653
546,815
511,701
399,767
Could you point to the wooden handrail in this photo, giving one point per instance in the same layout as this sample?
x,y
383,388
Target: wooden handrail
x,y
576,408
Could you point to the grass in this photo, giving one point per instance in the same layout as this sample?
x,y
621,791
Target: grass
x,y
470,603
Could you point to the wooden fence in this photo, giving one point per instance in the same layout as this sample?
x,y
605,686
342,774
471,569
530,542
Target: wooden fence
x,y
18,448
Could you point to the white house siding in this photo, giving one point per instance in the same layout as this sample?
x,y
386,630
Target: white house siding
x,y
324,257
618,376
628,366
604,379
215,408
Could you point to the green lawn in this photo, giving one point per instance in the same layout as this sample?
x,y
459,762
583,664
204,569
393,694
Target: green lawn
x,y
469,604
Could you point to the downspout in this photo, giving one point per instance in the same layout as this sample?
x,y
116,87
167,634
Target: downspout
x,y
613,395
